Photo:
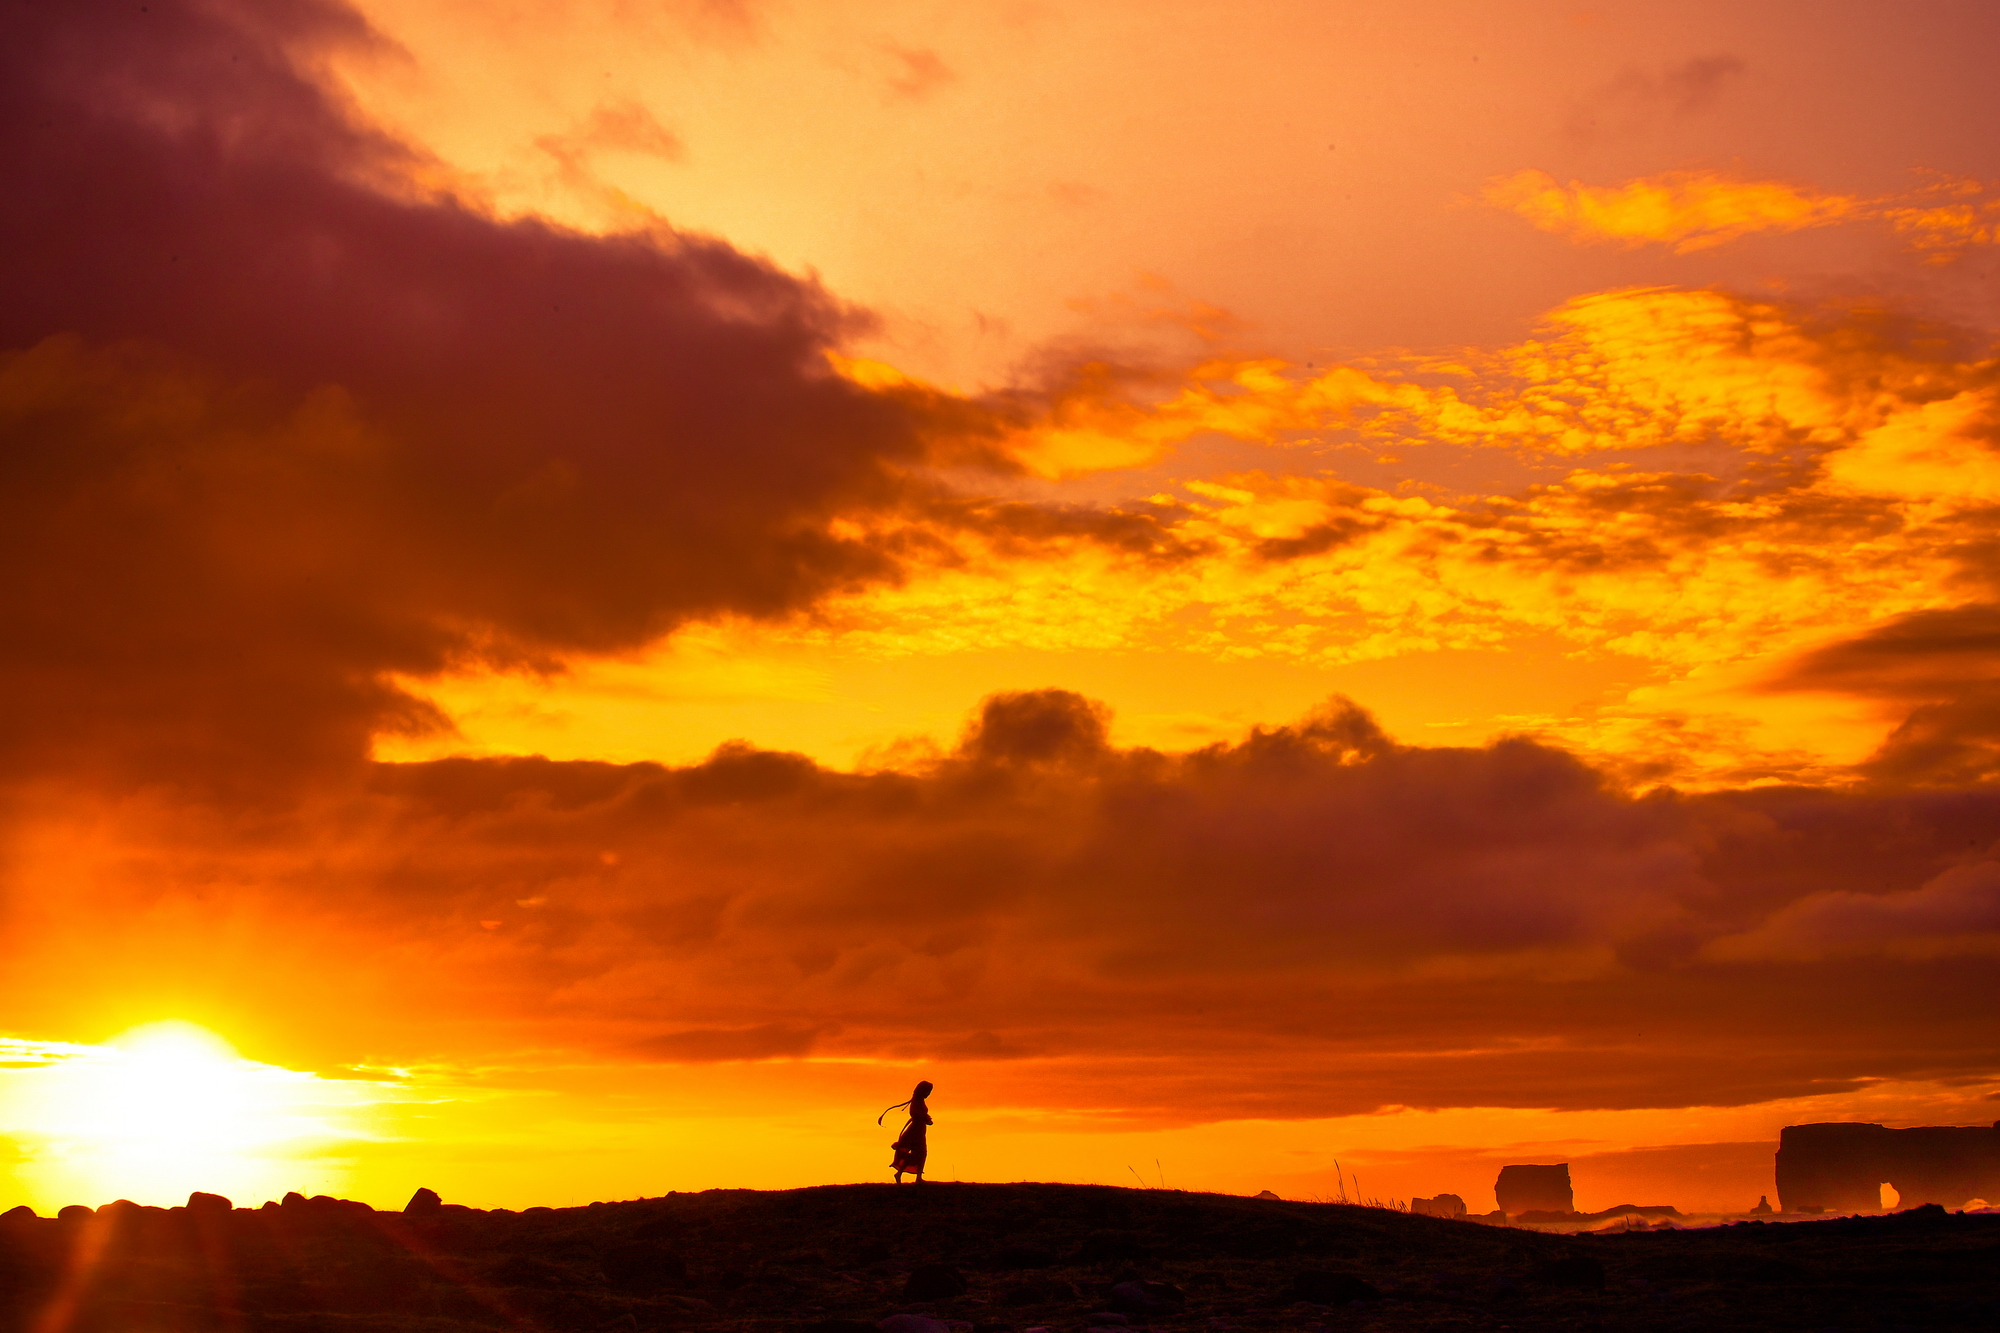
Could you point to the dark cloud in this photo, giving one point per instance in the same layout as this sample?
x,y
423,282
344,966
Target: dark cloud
x,y
1916,655
1638,99
278,425
1944,666
1315,920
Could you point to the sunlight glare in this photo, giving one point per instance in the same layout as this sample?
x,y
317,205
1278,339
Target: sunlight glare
x,y
168,1108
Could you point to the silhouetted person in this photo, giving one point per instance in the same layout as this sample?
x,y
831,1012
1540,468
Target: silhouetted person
x,y
911,1145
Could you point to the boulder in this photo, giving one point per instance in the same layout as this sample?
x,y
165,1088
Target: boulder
x,y
1763,1208
423,1203
208,1205
1444,1205
75,1212
1263,1194
1522,1189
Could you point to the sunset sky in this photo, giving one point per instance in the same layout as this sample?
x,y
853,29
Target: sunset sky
x,y
594,588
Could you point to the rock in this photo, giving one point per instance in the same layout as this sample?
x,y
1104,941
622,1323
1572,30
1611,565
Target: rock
x,y
1841,1167
1444,1205
1576,1270
19,1213
208,1205
292,1199
911,1323
1522,1189
423,1202
934,1282
1618,1210
75,1212
1331,1289
1763,1208
1263,1194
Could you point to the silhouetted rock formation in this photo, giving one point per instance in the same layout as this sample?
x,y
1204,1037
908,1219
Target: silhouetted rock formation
x,y
1444,1205
1763,1208
836,1260
1534,1189
1842,1167
422,1202
1601,1215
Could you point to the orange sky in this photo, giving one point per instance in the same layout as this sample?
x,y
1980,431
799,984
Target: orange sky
x,y
597,588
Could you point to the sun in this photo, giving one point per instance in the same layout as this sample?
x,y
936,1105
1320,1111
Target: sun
x,y
169,1107
172,1086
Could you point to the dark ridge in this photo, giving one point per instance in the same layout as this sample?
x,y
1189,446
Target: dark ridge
x,y
953,1258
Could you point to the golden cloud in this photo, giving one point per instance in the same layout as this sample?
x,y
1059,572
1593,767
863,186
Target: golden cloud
x,y
1696,210
1687,210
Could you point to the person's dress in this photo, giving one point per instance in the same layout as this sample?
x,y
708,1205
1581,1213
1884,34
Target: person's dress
x,y
911,1146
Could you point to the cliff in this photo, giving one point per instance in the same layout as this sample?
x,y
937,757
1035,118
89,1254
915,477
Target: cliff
x,y
1842,1167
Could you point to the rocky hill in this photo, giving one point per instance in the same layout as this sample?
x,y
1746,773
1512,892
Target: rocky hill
x,y
950,1258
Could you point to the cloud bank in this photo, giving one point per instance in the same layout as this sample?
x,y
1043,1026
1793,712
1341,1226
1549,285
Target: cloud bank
x,y
290,428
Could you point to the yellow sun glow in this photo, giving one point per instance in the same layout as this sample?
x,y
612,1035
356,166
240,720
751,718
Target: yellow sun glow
x,y
168,1108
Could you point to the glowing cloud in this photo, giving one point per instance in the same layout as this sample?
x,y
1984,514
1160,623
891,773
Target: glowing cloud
x,y
1688,210
1696,210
